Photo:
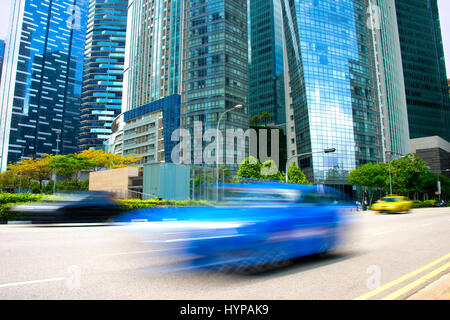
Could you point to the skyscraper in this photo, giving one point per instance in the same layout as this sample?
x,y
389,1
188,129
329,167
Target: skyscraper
x,y
198,49
391,85
333,83
153,51
2,54
103,71
41,89
215,71
424,68
266,65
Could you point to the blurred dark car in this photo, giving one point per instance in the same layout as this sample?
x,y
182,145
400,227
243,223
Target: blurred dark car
x,y
89,206
439,203
253,226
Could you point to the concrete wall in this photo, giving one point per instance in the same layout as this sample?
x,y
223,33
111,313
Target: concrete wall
x,y
166,180
435,151
113,180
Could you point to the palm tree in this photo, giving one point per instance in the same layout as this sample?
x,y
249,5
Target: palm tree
x,y
255,119
265,116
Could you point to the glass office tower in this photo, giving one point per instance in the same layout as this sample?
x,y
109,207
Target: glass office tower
x,y
153,51
333,81
391,84
41,90
266,65
215,69
103,71
424,68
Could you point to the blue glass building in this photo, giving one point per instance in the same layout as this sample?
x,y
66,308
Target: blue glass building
x,y
215,72
170,121
333,84
266,65
41,90
103,71
424,68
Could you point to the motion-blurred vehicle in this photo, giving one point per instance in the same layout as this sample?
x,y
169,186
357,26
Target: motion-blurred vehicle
x,y
392,203
254,225
89,206
439,204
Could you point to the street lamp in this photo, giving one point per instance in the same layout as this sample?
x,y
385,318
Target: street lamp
x,y
236,107
20,181
57,151
439,183
390,161
330,150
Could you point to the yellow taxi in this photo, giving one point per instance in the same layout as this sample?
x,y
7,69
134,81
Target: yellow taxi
x,y
392,203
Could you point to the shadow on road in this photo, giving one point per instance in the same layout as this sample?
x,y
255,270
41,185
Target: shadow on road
x,y
295,265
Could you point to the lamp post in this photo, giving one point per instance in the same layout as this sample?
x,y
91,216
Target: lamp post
x,y
439,184
330,150
236,107
57,151
390,161
20,180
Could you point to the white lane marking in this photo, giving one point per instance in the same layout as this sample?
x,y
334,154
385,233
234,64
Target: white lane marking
x,y
125,253
12,284
382,232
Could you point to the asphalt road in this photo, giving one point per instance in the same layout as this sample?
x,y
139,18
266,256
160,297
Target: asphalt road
x,y
398,254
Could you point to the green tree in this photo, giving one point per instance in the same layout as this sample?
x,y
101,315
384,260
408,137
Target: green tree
x,y
71,165
295,175
9,180
269,171
409,174
370,176
265,116
250,168
107,160
31,169
255,119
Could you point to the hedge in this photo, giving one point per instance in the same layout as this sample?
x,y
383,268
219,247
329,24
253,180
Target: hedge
x,y
9,199
423,204
137,204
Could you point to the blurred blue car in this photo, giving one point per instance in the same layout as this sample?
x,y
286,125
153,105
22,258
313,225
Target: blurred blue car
x,y
253,225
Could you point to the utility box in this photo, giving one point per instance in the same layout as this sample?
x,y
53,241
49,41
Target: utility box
x,y
167,181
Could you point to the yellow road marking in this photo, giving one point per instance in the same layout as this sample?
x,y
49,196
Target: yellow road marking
x,y
401,279
416,283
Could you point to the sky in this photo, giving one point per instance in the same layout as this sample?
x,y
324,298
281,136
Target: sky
x,y
444,12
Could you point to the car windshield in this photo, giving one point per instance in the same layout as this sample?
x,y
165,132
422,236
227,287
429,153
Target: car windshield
x,y
248,195
392,199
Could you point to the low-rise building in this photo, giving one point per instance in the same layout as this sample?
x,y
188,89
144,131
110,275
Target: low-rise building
x,y
435,151
146,131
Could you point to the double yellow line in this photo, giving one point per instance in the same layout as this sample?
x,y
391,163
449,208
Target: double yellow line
x,y
411,285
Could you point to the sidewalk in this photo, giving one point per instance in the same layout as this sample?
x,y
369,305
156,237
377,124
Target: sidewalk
x,y
438,290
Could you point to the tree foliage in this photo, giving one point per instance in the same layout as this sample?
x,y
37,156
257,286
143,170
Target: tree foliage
x,y
409,175
253,169
26,172
296,176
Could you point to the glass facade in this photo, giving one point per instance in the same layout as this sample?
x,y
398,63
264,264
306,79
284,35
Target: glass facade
x,y
148,129
215,68
266,65
333,82
424,68
103,71
41,89
390,78
152,58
